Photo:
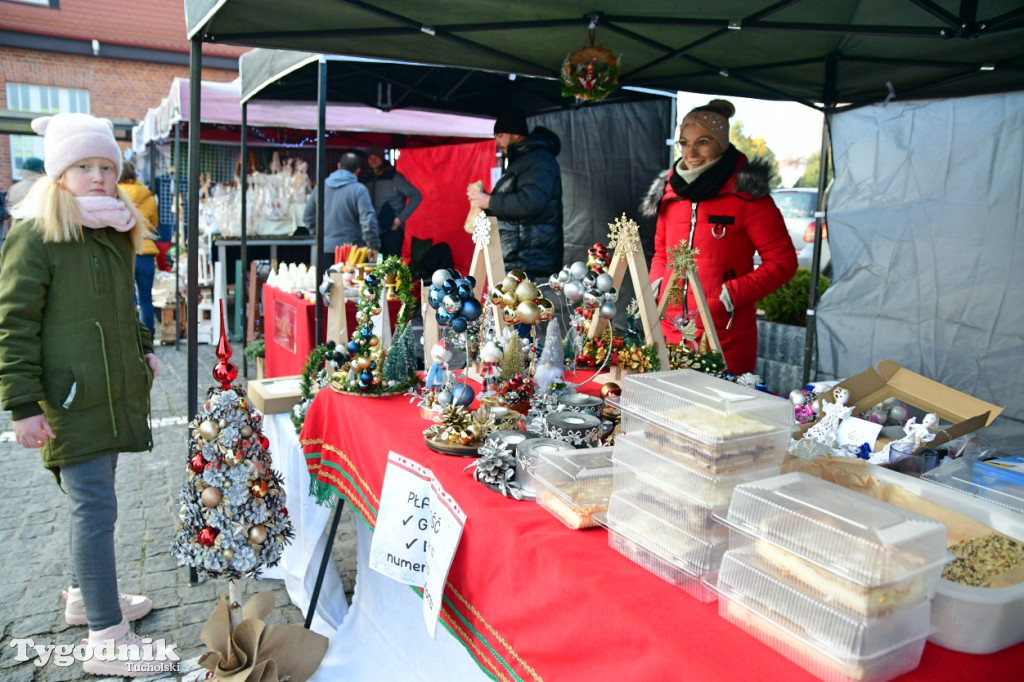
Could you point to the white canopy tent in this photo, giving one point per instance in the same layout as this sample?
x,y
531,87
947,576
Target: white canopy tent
x,y
221,103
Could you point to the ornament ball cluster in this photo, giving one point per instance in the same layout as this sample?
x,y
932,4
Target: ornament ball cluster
x,y
451,296
587,282
520,300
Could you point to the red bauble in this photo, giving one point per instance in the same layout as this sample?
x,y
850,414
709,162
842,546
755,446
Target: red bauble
x,y
284,511
197,464
207,536
264,442
225,372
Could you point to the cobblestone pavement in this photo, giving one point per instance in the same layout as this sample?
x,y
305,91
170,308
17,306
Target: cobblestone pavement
x,y
33,559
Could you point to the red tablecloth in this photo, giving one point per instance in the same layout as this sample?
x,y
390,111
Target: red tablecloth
x,y
533,600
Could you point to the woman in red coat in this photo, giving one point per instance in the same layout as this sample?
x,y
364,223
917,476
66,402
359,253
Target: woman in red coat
x,y
718,202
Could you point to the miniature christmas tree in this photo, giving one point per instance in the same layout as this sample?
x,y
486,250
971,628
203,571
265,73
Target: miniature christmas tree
x,y
512,360
400,362
233,519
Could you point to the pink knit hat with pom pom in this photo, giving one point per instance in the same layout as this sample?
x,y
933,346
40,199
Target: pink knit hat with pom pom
x,y
68,138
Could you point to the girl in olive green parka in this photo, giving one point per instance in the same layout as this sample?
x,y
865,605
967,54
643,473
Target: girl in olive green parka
x,y
76,366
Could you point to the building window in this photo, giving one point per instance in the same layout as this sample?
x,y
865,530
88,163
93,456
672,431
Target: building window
x,y
43,100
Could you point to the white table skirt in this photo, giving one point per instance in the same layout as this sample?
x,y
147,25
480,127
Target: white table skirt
x,y
382,636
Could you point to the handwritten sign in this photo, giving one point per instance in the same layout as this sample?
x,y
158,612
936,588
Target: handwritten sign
x,y
419,526
854,431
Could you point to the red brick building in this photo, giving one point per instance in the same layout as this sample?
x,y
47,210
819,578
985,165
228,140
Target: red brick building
x,y
104,57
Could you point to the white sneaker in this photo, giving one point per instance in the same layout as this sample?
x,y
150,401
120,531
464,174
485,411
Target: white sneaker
x,y
133,606
118,652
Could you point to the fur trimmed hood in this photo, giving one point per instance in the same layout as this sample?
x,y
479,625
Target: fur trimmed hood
x,y
753,178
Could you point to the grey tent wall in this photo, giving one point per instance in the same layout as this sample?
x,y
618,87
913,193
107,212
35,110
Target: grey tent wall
x,y
926,228
610,154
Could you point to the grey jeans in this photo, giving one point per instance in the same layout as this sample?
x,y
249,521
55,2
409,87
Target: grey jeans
x,y
92,503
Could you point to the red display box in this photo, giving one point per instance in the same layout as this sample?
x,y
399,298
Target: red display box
x,y
289,329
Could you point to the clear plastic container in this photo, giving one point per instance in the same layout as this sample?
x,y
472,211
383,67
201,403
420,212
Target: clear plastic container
x,y
827,642
709,423
856,599
865,540
576,485
697,553
960,474
674,572
645,492
700,487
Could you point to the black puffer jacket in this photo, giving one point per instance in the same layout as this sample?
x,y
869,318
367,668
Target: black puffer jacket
x,y
527,201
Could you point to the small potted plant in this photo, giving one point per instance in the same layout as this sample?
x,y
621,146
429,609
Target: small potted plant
x,y
256,352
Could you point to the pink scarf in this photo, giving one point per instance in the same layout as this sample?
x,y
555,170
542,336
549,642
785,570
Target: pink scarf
x,y
105,212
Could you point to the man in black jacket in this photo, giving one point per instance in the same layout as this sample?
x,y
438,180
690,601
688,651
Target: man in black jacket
x,y
527,200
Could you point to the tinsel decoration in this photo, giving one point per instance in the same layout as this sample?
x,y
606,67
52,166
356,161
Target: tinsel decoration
x,y
627,351
364,373
322,362
232,515
681,260
683,356
591,72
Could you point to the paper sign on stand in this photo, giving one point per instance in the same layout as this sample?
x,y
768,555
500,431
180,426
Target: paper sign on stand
x,y
854,431
419,526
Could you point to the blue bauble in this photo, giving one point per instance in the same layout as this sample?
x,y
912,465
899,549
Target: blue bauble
x,y
372,280
471,309
472,281
435,296
459,324
365,332
353,347
464,290
443,318
450,286
373,364
365,377
462,394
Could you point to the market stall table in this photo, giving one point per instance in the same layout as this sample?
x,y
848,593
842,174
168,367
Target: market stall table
x,y
532,600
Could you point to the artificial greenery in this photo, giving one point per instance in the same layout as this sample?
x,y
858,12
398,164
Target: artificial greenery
x,y
256,349
788,303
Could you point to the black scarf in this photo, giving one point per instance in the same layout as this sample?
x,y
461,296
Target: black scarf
x,y
710,181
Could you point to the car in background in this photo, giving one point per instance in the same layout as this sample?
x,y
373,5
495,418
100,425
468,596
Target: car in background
x,y
797,205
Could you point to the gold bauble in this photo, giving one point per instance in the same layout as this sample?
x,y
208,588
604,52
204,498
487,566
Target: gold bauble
x,y
211,497
611,388
208,430
223,423
374,340
527,291
509,315
495,295
360,316
258,534
245,431
517,275
363,361
280,538
228,554
547,309
508,284
528,312
232,458
470,434
509,298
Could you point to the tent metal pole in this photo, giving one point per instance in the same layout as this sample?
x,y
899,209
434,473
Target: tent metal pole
x,y
321,175
243,181
194,116
175,187
819,220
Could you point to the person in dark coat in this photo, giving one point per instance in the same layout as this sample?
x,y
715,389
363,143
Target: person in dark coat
x,y
718,203
527,199
394,199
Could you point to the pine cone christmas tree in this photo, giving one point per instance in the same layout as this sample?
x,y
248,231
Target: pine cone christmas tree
x,y
233,518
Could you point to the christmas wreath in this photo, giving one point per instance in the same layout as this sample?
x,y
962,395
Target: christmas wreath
x,y
591,72
315,375
373,369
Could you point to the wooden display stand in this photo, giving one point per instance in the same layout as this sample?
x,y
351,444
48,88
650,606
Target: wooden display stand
x,y
488,268
702,305
337,320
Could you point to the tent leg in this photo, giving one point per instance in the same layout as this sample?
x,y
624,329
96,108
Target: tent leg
x,y
819,219
315,597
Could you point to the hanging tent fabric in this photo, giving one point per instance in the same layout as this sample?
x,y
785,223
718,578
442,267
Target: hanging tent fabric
x,y
834,55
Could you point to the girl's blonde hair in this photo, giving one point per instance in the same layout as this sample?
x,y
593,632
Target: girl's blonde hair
x,y
55,213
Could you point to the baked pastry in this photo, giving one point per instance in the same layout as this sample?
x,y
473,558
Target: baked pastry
x,y
830,588
662,504
575,516
713,441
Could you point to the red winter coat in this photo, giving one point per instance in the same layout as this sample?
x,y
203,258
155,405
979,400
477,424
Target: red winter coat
x,y
739,219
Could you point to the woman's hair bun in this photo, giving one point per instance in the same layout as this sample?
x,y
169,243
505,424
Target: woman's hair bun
x,y
720,106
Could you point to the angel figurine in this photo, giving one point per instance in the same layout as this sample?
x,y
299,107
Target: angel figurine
x,y
915,434
824,431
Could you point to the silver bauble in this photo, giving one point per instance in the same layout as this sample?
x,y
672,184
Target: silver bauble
x,y
612,295
578,270
898,413
258,534
797,397
605,282
573,290
245,431
563,275
607,310
591,298
209,430
451,304
590,280
439,277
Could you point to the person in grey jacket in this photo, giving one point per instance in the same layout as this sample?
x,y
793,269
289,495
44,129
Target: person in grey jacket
x,y
394,198
349,217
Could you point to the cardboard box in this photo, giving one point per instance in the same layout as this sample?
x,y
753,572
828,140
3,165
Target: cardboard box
x,y
890,380
273,396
